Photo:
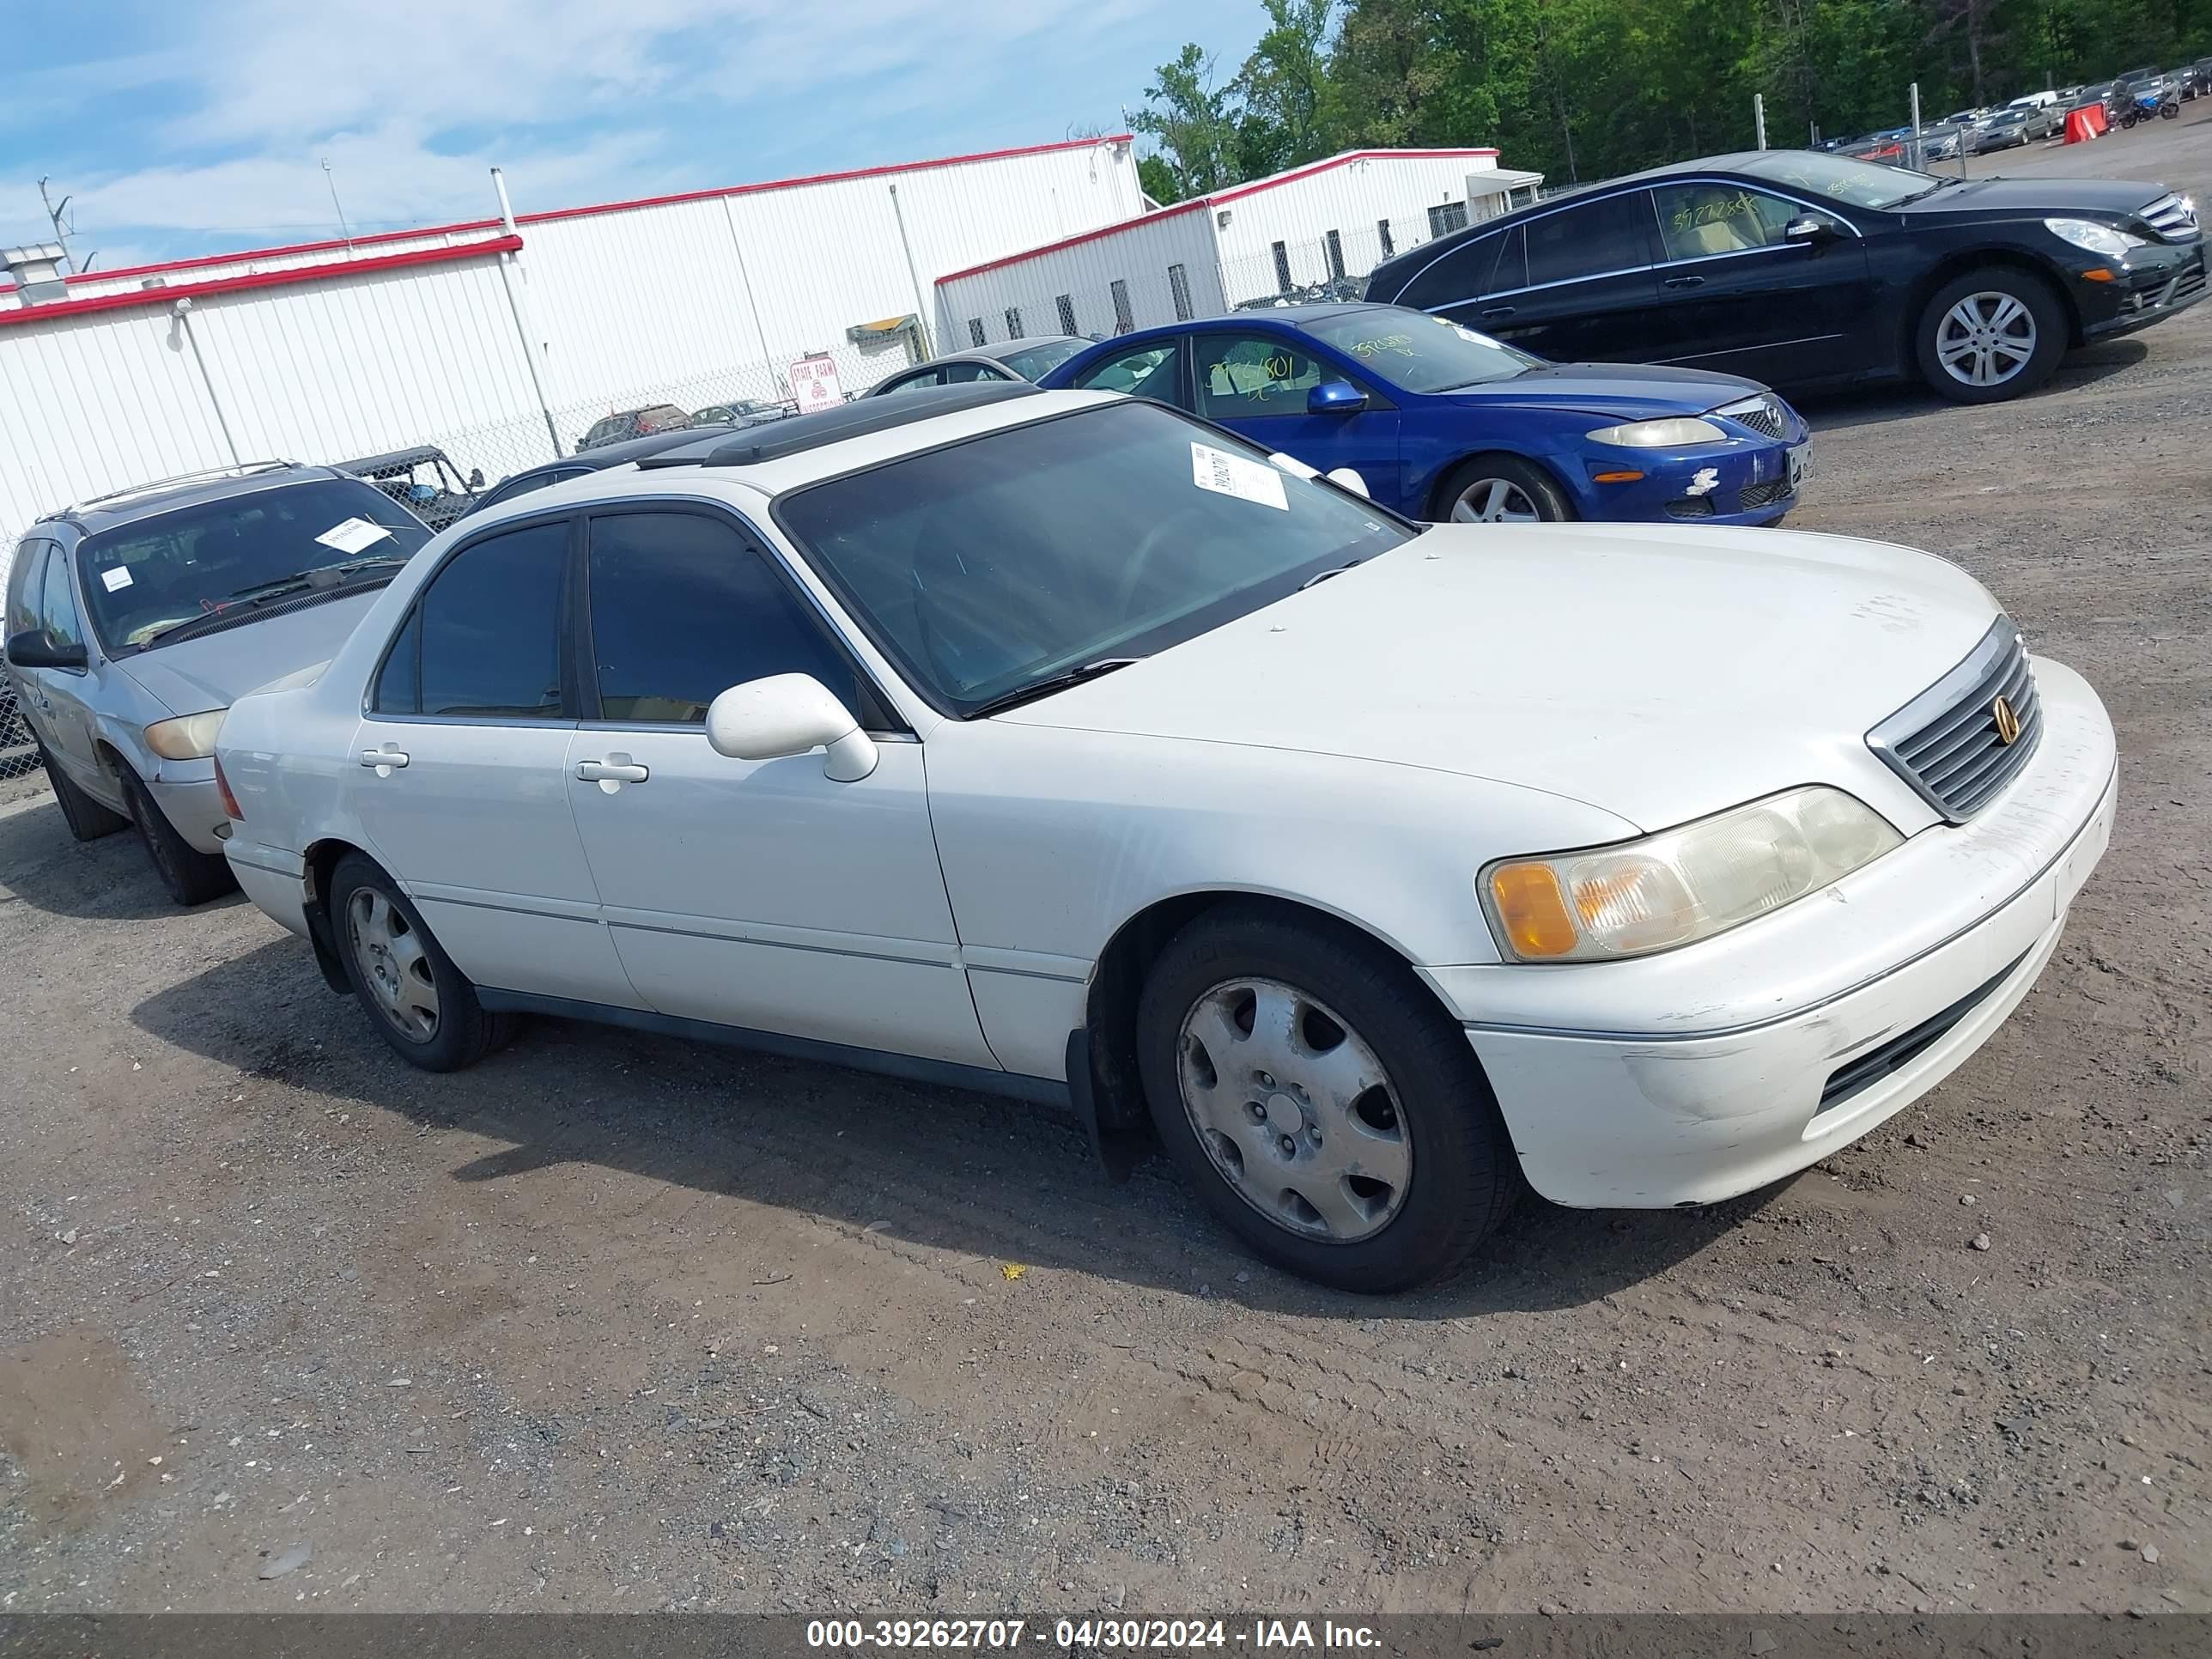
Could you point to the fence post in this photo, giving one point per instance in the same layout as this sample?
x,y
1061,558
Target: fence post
x,y
1758,116
508,262
921,318
182,311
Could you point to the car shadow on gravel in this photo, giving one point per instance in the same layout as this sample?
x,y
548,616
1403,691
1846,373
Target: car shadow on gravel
x,y
1839,411
969,1175
109,879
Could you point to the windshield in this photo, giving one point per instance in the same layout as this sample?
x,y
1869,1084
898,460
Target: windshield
x,y
1117,531
147,576
1417,352
1033,362
1858,184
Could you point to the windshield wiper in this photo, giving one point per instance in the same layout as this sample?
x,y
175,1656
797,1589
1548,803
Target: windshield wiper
x,y
1320,576
1923,195
262,592
1050,683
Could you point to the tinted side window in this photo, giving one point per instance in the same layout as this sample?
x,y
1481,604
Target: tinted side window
x,y
961,374
1458,275
1591,239
490,627
1698,220
24,577
914,382
682,609
1248,375
396,687
57,608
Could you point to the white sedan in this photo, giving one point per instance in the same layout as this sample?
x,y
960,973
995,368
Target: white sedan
x,y
1056,744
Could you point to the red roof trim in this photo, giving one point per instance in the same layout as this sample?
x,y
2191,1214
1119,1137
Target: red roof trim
x,y
551,213
1235,193
162,296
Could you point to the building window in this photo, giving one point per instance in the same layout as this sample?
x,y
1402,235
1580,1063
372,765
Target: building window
x,y
1383,234
1123,320
976,332
1013,322
1282,269
1335,257
1179,286
1067,305
1448,218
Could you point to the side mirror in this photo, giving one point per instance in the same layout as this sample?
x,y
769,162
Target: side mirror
x,y
1346,478
788,714
1335,398
31,648
1808,229
475,477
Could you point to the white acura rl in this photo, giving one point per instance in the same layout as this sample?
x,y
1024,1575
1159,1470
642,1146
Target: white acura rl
x,y
1058,743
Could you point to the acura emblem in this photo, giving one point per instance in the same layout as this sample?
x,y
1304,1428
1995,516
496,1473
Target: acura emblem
x,y
2008,722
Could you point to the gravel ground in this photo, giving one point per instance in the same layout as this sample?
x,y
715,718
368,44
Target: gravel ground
x,y
619,1323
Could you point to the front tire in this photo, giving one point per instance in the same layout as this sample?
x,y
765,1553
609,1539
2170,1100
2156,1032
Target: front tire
x,y
421,1004
88,820
1327,1110
1992,334
191,876
1502,490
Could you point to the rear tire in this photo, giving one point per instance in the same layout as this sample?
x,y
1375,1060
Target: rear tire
x,y
1502,490
86,818
1355,1141
1992,334
192,876
421,1004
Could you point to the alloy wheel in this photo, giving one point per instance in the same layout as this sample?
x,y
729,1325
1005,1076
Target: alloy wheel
x,y
1494,501
1986,338
1294,1109
393,963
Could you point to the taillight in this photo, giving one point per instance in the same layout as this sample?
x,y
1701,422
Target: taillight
x,y
222,789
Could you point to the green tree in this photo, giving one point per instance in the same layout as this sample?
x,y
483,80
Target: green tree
x,y
1189,119
1283,88
1157,180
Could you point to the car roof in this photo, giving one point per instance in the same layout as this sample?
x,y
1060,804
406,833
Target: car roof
x,y
127,506
397,457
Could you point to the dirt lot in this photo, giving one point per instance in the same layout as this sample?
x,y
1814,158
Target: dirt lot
x,y
617,1323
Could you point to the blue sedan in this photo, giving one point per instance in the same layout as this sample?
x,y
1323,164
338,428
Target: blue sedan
x,y
1441,422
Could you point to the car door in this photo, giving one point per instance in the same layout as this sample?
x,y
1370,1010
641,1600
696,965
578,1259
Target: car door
x,y
1587,288
462,757
1739,296
1256,383
755,894
58,705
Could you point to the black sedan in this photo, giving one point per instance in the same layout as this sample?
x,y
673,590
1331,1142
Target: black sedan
x,y
1807,270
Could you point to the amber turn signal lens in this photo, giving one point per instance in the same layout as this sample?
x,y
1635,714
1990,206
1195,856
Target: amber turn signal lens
x,y
1616,478
1533,909
2098,275
222,793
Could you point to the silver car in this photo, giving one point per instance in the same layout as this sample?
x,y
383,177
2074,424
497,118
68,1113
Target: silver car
x,y
134,621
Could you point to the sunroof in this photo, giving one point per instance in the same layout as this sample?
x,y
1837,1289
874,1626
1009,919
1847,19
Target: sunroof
x,y
856,420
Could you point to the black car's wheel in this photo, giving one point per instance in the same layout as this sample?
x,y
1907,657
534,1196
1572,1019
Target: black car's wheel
x,y
1501,489
420,1003
1327,1109
86,818
192,876
1992,334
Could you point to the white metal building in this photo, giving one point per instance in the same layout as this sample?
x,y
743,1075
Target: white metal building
x,y
1330,222
487,337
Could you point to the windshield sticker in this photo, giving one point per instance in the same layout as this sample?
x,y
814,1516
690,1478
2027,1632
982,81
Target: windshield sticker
x,y
1225,474
116,580
353,535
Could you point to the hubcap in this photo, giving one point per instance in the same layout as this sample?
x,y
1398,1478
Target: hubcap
x,y
1294,1109
393,965
1985,339
1494,501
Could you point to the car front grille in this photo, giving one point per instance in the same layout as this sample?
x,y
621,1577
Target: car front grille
x,y
1949,742
1761,414
2172,217
1691,507
1764,494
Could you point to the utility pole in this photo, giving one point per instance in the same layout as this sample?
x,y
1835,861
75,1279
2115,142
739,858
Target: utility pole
x,y
54,211
332,179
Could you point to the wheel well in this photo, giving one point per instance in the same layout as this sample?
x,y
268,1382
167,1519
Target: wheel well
x,y
1117,981
1444,476
321,859
1955,265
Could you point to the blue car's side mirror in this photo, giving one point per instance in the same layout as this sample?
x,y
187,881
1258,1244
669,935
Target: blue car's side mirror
x,y
1335,398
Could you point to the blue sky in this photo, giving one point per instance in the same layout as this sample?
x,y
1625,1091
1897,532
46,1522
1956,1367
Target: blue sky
x,y
194,129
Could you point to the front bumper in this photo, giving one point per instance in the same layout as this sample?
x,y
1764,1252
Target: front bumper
x,y
2161,281
1701,1074
1750,481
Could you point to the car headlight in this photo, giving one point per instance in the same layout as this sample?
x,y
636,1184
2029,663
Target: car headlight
x,y
1681,885
190,737
1660,434
2095,238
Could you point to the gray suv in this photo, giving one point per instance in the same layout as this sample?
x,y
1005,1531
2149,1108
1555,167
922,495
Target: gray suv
x,y
135,620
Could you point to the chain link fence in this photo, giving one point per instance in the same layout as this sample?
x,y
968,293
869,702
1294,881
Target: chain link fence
x,y
19,753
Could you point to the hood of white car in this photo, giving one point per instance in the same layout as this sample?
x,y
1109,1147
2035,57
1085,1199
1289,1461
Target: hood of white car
x,y
1660,674
215,670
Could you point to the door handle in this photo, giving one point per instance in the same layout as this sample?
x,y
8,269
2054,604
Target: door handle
x,y
615,768
1684,281
1497,310
386,760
